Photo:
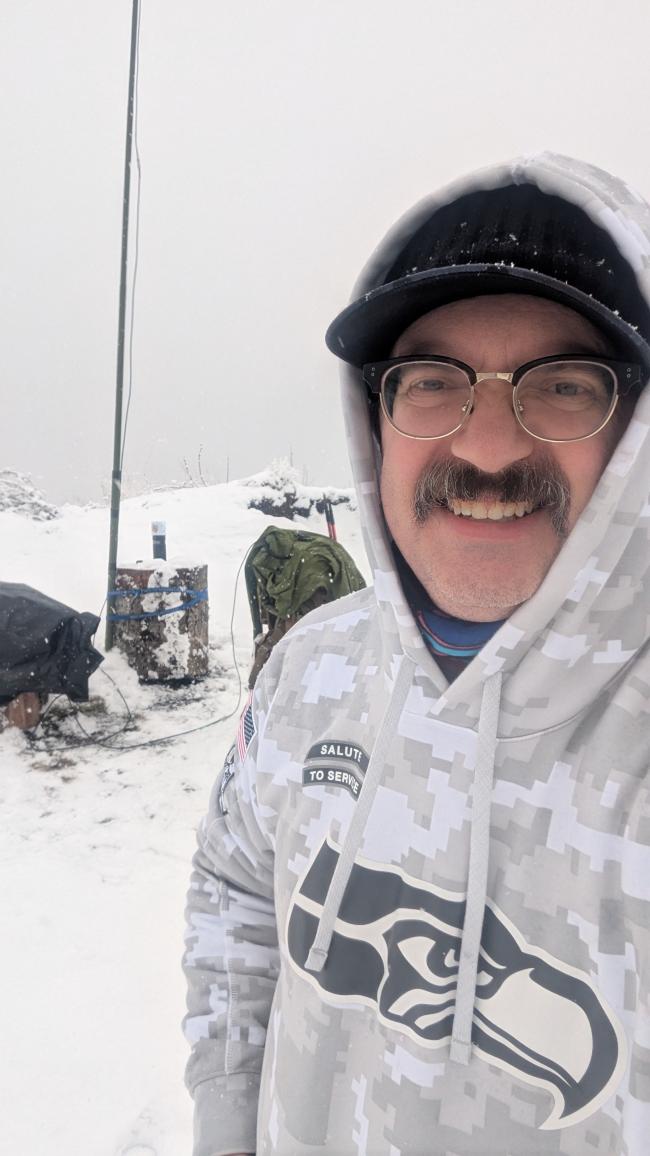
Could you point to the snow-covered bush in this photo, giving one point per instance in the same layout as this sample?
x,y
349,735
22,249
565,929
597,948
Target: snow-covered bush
x,y
280,493
19,494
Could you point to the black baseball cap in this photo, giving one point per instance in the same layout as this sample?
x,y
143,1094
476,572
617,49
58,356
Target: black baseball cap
x,y
513,239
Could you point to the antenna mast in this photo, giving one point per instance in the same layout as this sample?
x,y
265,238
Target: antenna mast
x,y
116,480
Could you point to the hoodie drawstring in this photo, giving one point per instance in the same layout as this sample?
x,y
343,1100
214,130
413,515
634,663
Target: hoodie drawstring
x,y
479,851
461,1040
321,945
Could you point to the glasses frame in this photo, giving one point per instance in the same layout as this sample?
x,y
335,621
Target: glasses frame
x,y
627,375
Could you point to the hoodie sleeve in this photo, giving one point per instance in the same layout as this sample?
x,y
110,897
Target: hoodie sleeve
x,y
231,960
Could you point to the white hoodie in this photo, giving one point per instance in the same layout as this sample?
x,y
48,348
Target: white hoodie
x,y
420,915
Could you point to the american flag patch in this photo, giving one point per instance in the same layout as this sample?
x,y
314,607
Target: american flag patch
x,y
246,728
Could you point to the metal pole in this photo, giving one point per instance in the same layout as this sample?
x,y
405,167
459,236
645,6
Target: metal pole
x,y
116,480
329,517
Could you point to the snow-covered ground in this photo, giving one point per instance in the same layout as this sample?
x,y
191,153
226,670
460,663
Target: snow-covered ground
x,y
96,842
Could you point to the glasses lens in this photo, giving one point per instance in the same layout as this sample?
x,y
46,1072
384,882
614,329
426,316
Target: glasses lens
x,y
426,398
566,400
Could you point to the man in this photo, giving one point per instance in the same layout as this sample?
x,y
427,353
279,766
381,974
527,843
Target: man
x,y
419,920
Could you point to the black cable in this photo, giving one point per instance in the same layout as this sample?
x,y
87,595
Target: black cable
x,y
49,708
128,709
90,739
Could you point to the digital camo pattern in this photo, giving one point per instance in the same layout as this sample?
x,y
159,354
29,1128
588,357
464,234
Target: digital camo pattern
x,y
355,1059
397,950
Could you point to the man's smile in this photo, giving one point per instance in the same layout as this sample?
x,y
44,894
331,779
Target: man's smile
x,y
488,527
490,508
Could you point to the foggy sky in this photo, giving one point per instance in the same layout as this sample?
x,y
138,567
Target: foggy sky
x,y
278,141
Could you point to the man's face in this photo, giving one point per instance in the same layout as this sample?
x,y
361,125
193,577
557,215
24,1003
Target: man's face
x,y
481,570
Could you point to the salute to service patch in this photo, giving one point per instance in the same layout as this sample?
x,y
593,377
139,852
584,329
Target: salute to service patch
x,y
335,763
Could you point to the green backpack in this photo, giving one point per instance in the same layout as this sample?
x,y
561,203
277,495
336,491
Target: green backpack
x,y
288,573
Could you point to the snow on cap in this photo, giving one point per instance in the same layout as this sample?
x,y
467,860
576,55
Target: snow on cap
x,y
513,239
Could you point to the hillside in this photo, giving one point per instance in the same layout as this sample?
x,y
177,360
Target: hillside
x,y
97,841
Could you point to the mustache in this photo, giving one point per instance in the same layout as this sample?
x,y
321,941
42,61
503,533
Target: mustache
x,y
542,484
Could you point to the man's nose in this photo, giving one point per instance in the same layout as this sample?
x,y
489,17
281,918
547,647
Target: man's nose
x,y
491,437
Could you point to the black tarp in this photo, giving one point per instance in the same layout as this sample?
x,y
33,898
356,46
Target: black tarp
x,y
44,645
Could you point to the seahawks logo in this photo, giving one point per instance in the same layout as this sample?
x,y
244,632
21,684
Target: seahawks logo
x,y
396,948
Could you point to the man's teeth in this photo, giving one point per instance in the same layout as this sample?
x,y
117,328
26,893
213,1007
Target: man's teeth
x,y
494,511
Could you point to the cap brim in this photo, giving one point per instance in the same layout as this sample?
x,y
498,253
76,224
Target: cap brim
x,y
368,328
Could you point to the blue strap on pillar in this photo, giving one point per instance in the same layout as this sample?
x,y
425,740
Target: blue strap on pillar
x,y
197,597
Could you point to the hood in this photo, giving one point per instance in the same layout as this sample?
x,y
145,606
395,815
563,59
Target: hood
x,y
588,619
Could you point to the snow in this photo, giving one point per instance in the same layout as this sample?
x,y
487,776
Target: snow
x,y
18,493
96,842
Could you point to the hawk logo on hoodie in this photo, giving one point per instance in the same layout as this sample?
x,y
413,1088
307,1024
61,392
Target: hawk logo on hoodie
x,y
396,948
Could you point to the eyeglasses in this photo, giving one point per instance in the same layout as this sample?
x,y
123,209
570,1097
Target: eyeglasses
x,y
555,399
